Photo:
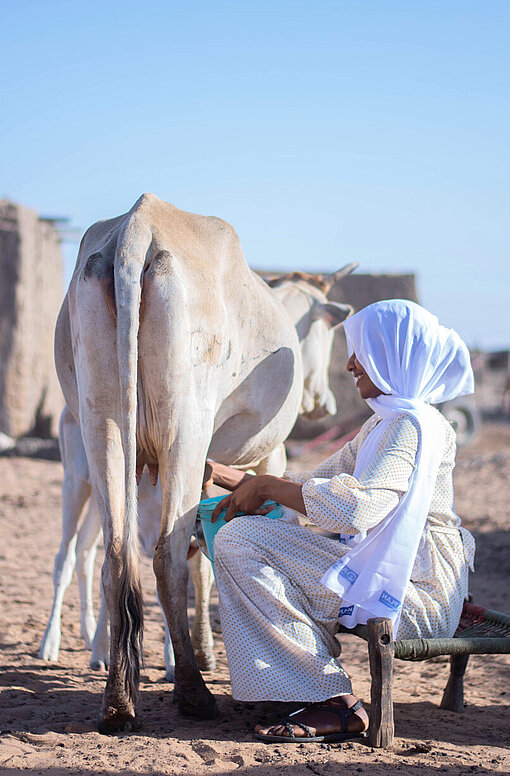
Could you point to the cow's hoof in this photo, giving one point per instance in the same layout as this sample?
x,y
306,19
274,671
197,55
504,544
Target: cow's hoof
x,y
112,721
205,661
99,665
49,648
206,708
170,674
49,656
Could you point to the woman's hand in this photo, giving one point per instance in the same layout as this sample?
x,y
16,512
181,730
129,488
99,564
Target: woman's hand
x,y
250,495
247,498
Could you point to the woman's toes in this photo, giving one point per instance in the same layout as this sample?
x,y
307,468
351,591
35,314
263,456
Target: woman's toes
x,y
264,731
275,730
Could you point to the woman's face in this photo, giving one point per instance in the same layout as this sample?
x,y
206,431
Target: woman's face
x,y
365,386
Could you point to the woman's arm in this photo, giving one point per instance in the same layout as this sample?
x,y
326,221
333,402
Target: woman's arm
x,y
250,495
341,461
224,476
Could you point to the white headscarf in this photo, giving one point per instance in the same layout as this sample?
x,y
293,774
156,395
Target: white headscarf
x,y
417,362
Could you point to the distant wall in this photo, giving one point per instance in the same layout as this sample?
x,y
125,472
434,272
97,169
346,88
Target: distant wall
x,y
492,383
359,291
31,292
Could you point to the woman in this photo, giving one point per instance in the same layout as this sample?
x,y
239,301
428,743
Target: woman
x,y
390,542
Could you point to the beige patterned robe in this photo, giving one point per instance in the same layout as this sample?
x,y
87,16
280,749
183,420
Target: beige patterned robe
x,y
279,622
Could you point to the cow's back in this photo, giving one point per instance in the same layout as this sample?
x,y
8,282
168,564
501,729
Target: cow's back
x,y
223,338
210,330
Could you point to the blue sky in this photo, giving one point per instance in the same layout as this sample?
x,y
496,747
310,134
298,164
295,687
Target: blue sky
x,y
325,132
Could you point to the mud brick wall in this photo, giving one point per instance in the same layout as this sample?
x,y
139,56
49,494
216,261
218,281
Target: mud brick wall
x,y
31,292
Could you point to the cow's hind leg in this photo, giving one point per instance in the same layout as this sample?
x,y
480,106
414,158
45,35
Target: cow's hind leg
x,y
201,633
86,549
168,650
105,355
99,659
75,492
181,476
123,595
275,463
119,577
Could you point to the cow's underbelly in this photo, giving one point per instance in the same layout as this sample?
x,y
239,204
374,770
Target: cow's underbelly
x,y
251,421
241,441
260,413
258,417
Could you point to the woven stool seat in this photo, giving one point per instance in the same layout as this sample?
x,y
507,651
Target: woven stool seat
x,y
487,623
480,631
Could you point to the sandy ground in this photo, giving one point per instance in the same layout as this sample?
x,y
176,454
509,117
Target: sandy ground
x,y
48,710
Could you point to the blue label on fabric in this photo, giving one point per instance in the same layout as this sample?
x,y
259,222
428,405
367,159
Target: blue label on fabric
x,y
390,601
346,610
348,574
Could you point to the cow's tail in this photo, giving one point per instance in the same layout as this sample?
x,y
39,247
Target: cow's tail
x,y
129,262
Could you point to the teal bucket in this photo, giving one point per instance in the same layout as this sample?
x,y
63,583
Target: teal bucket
x,y
205,510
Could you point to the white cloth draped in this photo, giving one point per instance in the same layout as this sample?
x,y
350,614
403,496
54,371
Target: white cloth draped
x,y
416,362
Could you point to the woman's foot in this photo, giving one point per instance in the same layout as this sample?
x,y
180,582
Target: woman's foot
x,y
335,719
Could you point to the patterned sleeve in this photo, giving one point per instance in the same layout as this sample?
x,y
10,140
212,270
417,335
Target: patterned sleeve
x,y
343,504
341,461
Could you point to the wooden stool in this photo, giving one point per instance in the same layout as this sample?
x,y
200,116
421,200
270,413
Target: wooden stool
x,y
480,632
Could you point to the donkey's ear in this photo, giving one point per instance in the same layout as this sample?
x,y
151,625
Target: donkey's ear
x,y
342,273
336,277
333,313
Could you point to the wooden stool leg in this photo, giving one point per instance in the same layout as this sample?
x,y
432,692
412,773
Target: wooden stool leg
x,y
380,651
453,696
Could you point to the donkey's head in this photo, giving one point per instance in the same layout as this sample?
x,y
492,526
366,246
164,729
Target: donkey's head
x,y
305,298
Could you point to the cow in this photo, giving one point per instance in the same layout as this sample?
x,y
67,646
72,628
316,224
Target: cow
x,y
79,541
170,349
